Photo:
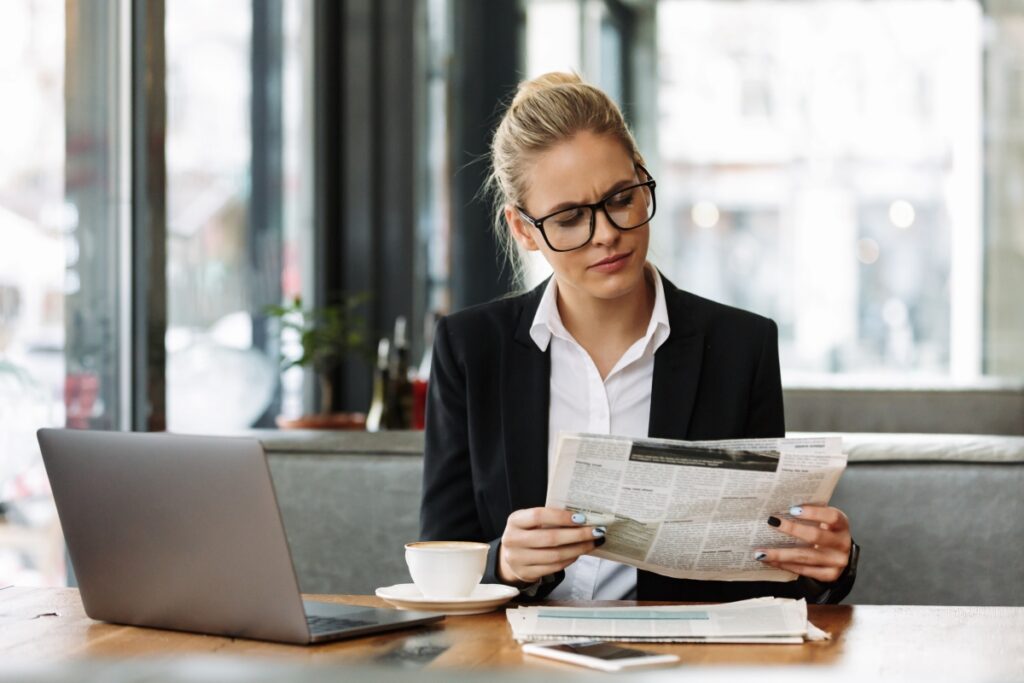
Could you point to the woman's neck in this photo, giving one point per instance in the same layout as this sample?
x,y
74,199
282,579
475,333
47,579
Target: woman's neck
x,y
607,327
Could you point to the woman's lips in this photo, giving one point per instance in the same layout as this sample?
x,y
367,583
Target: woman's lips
x,y
612,264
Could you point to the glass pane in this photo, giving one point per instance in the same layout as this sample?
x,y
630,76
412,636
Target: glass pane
x,y
553,40
33,232
209,327
1004,198
297,274
61,214
435,181
98,202
814,159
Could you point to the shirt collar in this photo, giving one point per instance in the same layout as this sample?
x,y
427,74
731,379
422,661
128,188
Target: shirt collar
x,y
547,322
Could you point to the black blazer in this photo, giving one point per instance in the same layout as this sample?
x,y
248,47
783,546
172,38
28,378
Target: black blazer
x,y
715,377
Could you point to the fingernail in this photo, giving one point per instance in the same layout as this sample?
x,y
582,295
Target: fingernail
x,y
578,518
598,531
759,555
600,542
774,521
796,511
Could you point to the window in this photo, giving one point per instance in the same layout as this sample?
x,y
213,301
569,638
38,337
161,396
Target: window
x,y
1004,201
33,220
237,238
62,210
235,228
821,165
434,187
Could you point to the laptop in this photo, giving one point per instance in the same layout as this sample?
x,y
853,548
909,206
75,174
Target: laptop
x,y
184,533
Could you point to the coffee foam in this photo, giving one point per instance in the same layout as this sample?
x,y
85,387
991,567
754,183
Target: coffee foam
x,y
445,545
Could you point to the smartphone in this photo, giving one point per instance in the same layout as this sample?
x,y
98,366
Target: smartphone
x,y
598,654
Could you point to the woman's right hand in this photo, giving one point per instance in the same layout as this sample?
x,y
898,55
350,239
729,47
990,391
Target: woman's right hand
x,y
541,541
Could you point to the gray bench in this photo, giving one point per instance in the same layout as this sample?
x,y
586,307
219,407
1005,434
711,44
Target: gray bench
x,y
939,517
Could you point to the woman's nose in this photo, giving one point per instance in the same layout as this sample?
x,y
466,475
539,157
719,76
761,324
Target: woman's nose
x,y
604,232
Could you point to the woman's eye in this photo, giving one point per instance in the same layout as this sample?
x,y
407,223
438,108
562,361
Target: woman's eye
x,y
622,199
568,219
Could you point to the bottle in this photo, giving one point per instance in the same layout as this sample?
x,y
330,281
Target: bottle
x,y
378,417
419,382
400,389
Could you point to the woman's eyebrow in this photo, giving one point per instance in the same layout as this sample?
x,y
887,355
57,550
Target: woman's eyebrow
x,y
611,190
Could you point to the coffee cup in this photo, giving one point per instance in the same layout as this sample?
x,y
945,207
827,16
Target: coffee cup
x,y
446,569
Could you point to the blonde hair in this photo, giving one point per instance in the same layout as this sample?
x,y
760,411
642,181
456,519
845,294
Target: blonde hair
x,y
544,112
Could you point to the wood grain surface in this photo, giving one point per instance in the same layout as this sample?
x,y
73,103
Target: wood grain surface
x,y
977,643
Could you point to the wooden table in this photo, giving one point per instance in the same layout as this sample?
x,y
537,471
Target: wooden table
x,y
869,642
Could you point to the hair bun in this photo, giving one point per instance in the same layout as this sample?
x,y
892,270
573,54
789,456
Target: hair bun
x,y
552,79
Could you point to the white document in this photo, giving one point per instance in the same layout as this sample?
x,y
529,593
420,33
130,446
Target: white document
x,y
761,620
693,509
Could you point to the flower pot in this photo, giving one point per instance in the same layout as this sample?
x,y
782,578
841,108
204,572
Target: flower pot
x,y
347,421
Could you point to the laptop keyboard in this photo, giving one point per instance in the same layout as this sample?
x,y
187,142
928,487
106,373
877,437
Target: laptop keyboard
x,y
331,624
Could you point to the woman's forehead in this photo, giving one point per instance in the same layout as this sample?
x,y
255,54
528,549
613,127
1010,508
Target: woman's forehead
x,y
581,170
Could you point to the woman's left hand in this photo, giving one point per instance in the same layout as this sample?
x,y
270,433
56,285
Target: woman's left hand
x,y
826,529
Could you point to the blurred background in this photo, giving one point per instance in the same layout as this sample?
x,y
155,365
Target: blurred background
x,y
853,169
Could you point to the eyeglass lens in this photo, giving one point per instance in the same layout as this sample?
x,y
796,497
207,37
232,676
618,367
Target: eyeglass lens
x,y
628,209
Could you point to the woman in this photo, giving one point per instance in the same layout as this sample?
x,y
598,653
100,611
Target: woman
x,y
607,345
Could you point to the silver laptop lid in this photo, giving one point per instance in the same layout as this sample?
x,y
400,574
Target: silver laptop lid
x,y
179,532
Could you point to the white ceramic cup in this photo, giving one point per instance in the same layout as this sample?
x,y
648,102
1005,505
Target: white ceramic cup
x,y
446,569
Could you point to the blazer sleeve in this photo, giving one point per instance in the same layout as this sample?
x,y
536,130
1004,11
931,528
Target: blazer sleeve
x,y
766,417
447,511
448,504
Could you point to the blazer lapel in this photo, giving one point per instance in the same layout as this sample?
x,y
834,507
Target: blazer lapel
x,y
525,395
676,370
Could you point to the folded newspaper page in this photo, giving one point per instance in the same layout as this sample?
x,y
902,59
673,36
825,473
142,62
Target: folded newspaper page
x,y
761,620
693,509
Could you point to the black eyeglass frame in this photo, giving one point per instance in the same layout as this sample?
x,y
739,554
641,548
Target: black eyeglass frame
x,y
600,204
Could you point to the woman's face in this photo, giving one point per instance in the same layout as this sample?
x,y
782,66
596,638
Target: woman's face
x,y
583,170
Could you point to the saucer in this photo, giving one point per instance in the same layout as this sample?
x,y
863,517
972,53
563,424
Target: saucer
x,y
484,598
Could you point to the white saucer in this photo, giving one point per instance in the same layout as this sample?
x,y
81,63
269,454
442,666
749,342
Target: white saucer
x,y
484,598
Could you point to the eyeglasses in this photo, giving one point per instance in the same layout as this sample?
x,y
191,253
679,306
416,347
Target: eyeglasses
x,y
573,228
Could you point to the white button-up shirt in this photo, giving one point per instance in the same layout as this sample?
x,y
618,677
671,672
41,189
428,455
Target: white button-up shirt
x,y
582,402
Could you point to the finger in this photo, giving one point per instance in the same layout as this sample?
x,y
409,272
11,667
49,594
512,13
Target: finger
x,y
525,557
534,518
538,572
814,534
551,537
512,566
823,574
815,557
834,518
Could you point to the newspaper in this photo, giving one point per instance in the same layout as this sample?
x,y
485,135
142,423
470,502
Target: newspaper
x,y
760,620
693,509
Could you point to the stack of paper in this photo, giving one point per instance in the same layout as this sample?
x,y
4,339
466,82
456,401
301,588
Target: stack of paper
x,y
761,620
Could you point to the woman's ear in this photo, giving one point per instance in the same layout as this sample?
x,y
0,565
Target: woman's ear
x,y
522,232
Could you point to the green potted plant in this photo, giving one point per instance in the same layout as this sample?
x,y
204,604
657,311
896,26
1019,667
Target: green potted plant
x,y
328,336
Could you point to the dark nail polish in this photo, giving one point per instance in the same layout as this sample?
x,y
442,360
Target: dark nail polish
x,y
774,521
600,542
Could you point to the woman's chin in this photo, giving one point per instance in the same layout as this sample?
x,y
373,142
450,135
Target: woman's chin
x,y
614,285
